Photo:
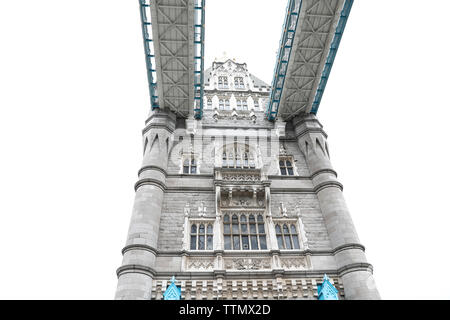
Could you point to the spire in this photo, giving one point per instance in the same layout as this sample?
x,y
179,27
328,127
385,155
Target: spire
x,y
326,290
172,292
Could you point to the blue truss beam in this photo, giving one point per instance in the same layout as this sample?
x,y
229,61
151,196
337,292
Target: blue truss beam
x,y
199,54
331,55
144,6
284,53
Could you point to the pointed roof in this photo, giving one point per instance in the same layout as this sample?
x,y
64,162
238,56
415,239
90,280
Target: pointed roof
x,y
172,292
326,290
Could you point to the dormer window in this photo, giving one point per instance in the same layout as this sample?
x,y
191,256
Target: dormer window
x,y
239,83
223,82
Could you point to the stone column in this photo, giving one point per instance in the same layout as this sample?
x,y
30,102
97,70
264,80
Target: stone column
x,y
139,254
351,261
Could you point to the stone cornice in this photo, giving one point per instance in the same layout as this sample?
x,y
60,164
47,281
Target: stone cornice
x,y
310,130
149,181
157,125
146,168
139,247
328,184
355,267
136,268
228,253
323,171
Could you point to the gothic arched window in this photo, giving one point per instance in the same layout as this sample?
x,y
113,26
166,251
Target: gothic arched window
x,y
201,236
189,164
223,82
238,157
244,232
287,236
286,167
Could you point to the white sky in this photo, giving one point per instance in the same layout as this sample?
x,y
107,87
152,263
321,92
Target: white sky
x,y
74,97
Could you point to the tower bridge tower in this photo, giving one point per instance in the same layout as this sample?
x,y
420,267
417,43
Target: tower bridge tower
x,y
235,202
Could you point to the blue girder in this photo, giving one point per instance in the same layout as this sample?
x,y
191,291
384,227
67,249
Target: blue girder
x,y
283,57
144,6
331,55
199,53
284,53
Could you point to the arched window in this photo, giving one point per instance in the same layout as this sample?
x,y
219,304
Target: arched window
x,y
239,83
201,236
238,104
244,232
189,164
227,104
286,167
221,104
209,103
238,156
287,236
256,103
223,82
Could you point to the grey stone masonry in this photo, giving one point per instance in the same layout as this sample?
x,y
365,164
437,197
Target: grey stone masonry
x,y
239,207
137,270
350,258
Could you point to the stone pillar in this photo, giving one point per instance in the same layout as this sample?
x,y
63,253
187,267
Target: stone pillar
x,y
139,254
351,261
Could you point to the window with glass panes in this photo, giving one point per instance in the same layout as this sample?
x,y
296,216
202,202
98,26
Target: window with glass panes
x,y
287,236
189,164
239,83
241,105
201,236
256,104
223,82
244,232
238,157
286,167
209,103
224,104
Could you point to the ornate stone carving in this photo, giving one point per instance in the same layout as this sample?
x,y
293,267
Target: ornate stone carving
x,y
241,177
247,263
283,210
293,263
200,263
202,209
187,210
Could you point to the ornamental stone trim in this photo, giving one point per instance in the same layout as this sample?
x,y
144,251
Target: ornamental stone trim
x,y
135,268
149,181
355,267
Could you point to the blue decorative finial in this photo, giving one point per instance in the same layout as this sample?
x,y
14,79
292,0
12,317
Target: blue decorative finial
x,y
326,290
172,292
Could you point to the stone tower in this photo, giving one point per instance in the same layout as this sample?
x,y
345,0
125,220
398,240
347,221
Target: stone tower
x,y
239,207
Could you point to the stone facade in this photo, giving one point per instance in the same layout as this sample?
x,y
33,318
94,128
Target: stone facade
x,y
238,207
